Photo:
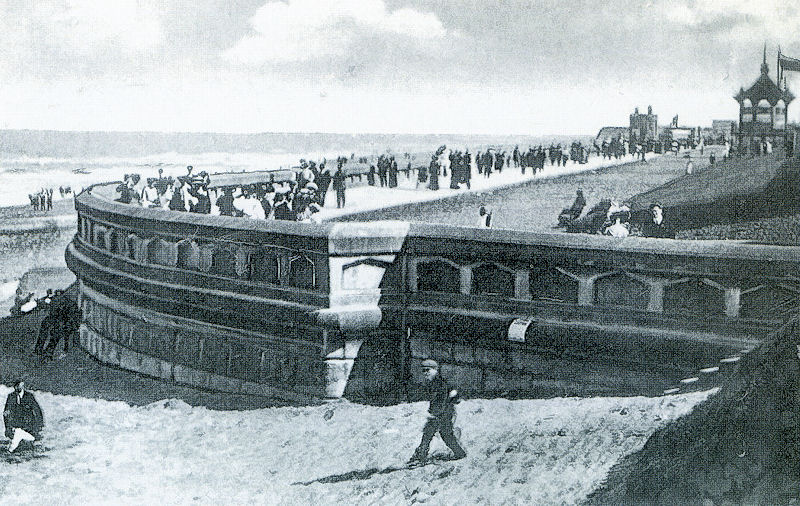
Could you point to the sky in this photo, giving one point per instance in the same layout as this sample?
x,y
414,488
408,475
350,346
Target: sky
x,y
383,66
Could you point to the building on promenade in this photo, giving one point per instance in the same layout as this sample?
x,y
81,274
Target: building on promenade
x,y
609,133
643,127
762,112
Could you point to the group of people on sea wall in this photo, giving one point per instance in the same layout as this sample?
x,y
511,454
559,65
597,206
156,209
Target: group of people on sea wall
x,y
303,195
613,218
298,199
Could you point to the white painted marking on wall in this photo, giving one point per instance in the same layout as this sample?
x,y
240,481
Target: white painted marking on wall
x,y
671,390
730,360
686,381
709,370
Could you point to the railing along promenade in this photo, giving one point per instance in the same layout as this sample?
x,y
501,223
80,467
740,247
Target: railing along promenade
x,y
310,311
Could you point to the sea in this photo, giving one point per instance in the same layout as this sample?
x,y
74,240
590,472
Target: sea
x,y
34,159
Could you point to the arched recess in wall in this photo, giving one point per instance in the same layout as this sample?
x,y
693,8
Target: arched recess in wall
x,y
492,279
188,254
223,262
548,284
620,289
438,275
265,266
302,272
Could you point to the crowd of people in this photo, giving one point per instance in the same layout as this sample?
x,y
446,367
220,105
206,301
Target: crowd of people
x,y
299,198
42,200
302,195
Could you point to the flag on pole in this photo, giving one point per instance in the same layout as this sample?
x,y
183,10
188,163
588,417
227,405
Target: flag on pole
x,y
787,63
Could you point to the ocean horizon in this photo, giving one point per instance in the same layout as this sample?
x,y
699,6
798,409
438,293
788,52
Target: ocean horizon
x,y
34,159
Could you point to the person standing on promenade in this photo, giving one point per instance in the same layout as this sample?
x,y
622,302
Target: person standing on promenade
x,y
484,218
340,185
466,176
22,416
441,414
433,171
323,182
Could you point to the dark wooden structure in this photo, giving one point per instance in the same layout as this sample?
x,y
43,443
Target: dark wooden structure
x,y
762,112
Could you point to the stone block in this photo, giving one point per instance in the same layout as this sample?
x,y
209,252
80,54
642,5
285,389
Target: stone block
x,y
83,337
492,357
351,347
467,378
337,373
530,362
149,366
420,347
182,374
496,381
129,359
463,353
110,353
201,378
224,384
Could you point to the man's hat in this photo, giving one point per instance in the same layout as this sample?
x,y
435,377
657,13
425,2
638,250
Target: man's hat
x,y
430,364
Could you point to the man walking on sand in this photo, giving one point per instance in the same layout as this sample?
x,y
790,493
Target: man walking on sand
x,y
441,414
22,416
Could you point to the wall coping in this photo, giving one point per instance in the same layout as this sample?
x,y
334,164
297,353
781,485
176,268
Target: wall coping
x,y
351,238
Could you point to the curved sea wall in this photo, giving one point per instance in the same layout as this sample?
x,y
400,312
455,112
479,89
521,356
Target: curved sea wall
x,y
313,311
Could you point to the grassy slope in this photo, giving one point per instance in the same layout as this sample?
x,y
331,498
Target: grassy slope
x,y
741,447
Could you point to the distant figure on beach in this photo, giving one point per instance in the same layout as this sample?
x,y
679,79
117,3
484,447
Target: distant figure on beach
x,y
711,159
484,218
441,414
22,416
689,167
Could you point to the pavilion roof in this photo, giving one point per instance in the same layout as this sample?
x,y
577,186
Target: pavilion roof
x,y
764,88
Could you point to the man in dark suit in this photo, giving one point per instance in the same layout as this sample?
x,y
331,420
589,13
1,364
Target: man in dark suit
x,y
22,416
339,185
656,226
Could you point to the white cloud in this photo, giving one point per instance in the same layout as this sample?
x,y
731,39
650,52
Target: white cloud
x,y
49,38
133,24
765,19
301,30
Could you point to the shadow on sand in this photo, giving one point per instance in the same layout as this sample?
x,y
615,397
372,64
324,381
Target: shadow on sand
x,y
365,474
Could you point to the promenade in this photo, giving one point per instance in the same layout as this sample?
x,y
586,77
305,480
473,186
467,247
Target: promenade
x,y
370,198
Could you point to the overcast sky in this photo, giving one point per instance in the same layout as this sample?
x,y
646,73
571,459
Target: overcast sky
x,y
411,66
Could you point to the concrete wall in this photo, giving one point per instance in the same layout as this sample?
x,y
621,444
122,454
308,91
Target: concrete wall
x,y
321,311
